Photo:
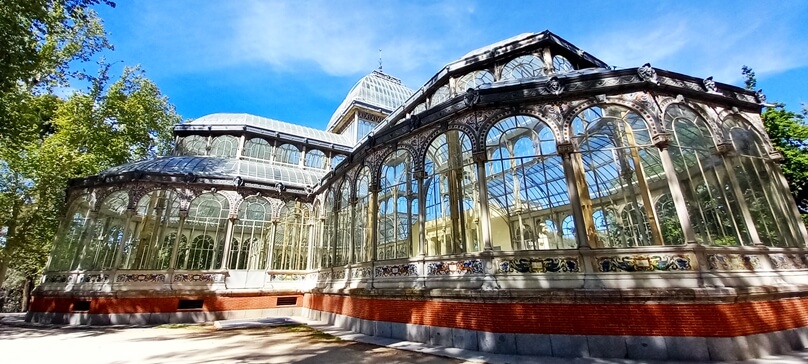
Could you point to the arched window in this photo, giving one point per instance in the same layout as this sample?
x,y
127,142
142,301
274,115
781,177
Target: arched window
x,y
328,231
362,252
157,216
472,80
193,145
711,201
68,247
315,159
291,244
441,94
344,224
250,247
107,234
288,154
451,225
774,223
561,64
207,224
526,182
399,191
336,160
623,170
257,148
527,66
225,146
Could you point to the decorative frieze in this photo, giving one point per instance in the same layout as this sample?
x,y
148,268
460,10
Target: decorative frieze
x,y
540,265
339,274
198,278
396,270
59,278
287,277
364,272
140,278
644,263
789,261
93,278
462,267
733,262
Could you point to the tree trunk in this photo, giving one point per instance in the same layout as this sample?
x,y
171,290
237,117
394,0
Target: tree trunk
x,y
26,293
11,240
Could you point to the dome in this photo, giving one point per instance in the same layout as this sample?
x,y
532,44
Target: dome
x,y
224,168
377,90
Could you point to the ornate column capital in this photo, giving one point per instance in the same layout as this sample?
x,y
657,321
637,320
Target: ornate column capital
x,y
661,140
565,148
480,157
183,213
419,173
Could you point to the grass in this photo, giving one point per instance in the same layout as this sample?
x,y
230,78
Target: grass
x,y
183,326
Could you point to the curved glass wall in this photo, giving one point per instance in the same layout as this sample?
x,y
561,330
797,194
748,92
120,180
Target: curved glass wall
x,y
527,190
329,231
561,64
344,224
206,226
362,251
193,145
225,146
712,204
441,94
472,80
755,180
288,154
398,208
249,247
67,248
315,159
151,242
257,148
623,175
452,219
107,234
522,67
291,243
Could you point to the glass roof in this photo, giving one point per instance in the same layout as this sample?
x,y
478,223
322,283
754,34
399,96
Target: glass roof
x,y
376,89
272,125
215,167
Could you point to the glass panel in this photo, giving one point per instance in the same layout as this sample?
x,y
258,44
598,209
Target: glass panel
x,y
206,224
315,159
225,146
527,188
107,233
711,202
452,216
288,154
473,80
329,231
157,216
192,145
258,149
362,251
523,67
561,64
440,95
290,247
343,242
68,247
398,208
250,246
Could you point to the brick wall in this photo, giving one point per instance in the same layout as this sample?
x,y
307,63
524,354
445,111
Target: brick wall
x,y
114,305
636,319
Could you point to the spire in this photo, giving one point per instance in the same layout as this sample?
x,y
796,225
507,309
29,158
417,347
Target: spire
x,y
380,60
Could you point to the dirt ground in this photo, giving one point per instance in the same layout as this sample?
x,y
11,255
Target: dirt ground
x,y
192,344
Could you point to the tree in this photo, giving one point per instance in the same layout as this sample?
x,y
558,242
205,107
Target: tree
x,y
46,139
788,133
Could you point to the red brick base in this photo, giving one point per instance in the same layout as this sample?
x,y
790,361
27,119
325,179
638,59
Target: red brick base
x,y
117,305
631,319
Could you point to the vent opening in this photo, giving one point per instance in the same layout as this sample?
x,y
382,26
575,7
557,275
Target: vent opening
x,y
81,306
287,301
190,305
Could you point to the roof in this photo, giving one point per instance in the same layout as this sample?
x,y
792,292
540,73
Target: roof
x,y
377,89
226,168
271,125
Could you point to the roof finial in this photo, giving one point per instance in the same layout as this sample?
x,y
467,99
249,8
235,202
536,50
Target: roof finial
x,y
380,60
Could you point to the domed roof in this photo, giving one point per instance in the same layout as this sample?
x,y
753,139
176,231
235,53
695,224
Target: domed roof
x,y
377,90
271,125
225,168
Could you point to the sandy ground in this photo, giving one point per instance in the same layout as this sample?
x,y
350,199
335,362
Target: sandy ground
x,y
192,344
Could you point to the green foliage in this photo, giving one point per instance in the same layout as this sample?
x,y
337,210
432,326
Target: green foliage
x,y
789,134
750,81
47,138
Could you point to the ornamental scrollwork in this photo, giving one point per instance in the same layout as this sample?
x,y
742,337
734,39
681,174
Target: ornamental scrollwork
x,y
733,262
647,73
644,263
789,261
141,278
540,265
474,266
396,270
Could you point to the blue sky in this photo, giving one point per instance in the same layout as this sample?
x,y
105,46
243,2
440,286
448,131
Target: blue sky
x,y
296,60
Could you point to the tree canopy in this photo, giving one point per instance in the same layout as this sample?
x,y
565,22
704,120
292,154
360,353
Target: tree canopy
x,y
58,121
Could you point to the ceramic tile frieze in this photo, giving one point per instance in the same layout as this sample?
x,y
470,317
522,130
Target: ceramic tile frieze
x,y
286,277
396,270
192,278
644,263
789,261
339,274
733,262
94,278
539,265
461,267
141,278
363,272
